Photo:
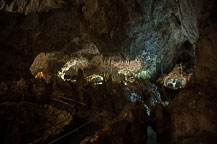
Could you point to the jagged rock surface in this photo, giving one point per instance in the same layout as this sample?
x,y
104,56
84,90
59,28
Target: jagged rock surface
x,y
206,52
20,118
193,116
30,6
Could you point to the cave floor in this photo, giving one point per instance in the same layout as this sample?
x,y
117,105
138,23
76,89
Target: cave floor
x,y
32,111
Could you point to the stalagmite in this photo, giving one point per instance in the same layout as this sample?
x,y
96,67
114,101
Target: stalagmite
x,y
2,4
103,57
110,64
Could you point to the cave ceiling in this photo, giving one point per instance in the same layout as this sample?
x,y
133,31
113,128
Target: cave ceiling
x,y
150,31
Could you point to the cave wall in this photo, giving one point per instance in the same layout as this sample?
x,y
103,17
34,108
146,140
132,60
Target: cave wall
x,y
22,38
149,29
158,33
31,6
206,52
193,116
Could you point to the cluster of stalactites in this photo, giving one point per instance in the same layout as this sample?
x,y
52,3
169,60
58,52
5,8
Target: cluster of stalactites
x,y
124,66
74,64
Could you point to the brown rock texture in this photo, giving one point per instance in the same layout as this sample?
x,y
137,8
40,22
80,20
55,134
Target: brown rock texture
x,y
25,124
206,52
193,116
31,6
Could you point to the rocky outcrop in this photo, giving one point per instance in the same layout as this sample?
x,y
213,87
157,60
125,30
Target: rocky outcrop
x,y
30,6
67,62
193,116
158,37
25,124
206,52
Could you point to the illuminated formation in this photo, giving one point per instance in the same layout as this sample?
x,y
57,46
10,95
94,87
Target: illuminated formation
x,y
73,65
95,79
128,67
43,75
177,78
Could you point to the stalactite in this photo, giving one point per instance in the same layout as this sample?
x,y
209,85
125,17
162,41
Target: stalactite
x,y
103,57
110,64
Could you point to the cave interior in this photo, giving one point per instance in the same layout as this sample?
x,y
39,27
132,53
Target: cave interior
x,y
108,72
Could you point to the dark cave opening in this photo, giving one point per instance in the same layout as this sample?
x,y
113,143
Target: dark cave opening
x,y
187,56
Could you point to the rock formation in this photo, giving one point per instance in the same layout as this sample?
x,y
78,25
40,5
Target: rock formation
x,y
101,65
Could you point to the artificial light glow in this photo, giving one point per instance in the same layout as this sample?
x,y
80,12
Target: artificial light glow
x,y
177,78
128,68
95,79
43,75
74,64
